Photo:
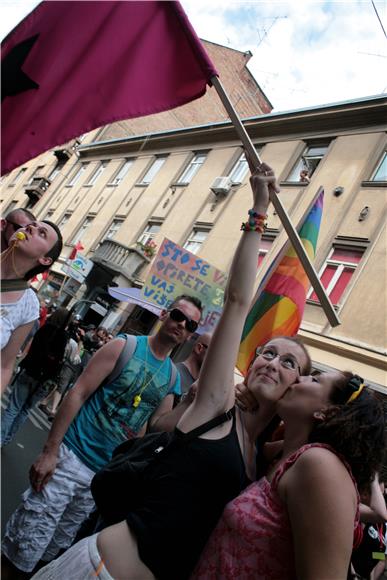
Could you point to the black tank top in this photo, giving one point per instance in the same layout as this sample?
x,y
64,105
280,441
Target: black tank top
x,y
184,498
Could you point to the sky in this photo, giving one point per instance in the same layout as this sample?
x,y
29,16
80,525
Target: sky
x,y
305,53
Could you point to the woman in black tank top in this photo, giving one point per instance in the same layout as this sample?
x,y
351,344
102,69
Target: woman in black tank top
x,y
187,489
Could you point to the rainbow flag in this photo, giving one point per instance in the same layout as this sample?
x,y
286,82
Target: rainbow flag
x,y
279,303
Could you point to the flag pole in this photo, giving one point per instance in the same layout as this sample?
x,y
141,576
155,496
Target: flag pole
x,y
279,208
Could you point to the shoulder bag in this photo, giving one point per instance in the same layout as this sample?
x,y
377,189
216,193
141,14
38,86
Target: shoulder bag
x,y
117,486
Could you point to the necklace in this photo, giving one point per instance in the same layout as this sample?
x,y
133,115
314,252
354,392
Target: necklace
x,y
11,251
137,398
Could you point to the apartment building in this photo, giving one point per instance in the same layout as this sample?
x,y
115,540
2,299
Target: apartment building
x,y
191,185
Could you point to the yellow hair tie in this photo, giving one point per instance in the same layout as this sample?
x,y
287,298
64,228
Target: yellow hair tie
x,y
356,393
20,236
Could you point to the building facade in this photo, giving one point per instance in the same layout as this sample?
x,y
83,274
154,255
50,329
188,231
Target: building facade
x,y
191,185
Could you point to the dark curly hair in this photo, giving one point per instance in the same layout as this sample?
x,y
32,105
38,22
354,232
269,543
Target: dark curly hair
x,y
356,430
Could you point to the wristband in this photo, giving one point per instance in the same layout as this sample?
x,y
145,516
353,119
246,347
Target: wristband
x,y
255,223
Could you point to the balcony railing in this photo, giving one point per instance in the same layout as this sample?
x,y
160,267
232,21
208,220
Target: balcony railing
x,y
120,259
66,151
37,188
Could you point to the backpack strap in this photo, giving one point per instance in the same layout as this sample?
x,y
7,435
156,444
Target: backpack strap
x,y
125,356
226,416
173,375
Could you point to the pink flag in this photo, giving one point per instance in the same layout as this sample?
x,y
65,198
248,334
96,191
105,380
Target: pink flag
x,y
70,67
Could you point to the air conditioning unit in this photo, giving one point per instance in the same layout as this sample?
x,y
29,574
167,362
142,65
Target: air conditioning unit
x,y
221,185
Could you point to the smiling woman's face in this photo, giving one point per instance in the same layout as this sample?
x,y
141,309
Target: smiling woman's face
x,y
275,368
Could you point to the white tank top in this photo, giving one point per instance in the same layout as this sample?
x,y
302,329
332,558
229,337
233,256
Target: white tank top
x,y
15,314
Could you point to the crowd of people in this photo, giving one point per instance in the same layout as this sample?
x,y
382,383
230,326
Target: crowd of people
x,y
275,478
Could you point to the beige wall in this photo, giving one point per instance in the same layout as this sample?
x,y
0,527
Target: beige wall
x,y
350,160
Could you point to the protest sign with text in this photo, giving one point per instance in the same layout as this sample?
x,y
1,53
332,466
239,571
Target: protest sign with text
x,y
177,271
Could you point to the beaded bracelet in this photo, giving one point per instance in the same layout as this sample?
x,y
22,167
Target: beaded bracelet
x,y
255,223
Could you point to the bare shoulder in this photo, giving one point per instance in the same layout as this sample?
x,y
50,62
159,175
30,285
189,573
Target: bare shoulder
x,y
116,345
318,455
322,464
318,477
321,502
108,353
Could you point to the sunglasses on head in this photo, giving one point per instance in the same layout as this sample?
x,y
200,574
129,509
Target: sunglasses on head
x,y
179,316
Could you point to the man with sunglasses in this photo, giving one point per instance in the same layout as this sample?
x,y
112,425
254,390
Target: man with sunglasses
x,y
94,418
14,220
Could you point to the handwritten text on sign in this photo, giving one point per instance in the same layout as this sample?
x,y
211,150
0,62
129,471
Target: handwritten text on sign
x,y
177,271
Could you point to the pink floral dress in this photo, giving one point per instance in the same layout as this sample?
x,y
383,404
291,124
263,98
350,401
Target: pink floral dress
x,y
253,539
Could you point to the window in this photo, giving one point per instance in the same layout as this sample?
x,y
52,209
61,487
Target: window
x,y
196,239
97,173
56,169
380,173
49,214
122,171
149,233
264,247
307,164
36,173
113,229
31,202
153,170
337,272
18,175
64,219
82,229
11,207
192,169
239,170
77,174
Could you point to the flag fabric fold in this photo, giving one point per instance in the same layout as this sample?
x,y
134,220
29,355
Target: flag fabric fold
x,y
78,247
279,303
70,67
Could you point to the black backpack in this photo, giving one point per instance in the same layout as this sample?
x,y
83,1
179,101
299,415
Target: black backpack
x,y
121,483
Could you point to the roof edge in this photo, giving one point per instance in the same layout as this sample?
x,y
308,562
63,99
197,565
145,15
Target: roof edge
x,y
382,98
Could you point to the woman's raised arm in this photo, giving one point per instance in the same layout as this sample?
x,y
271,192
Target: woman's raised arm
x,y
216,385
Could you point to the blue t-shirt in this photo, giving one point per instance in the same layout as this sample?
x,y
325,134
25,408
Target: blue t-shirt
x,y
108,417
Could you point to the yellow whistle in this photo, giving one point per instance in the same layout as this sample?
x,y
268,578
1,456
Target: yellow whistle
x,y
20,235
136,401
